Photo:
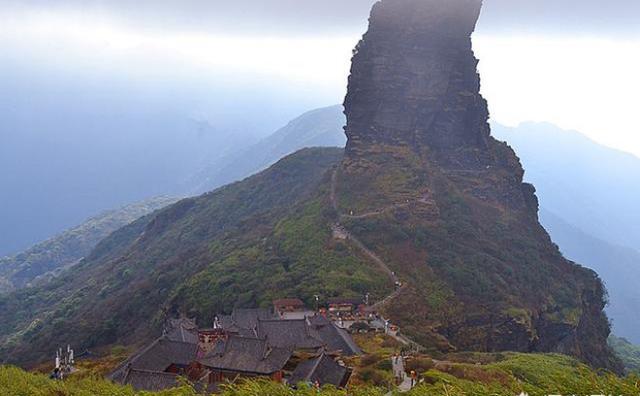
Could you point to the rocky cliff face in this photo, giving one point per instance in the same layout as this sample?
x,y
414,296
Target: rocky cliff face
x,y
444,203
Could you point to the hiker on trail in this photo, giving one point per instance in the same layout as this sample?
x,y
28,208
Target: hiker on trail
x,y
414,377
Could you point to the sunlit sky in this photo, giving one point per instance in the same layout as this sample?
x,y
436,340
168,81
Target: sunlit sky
x,y
575,78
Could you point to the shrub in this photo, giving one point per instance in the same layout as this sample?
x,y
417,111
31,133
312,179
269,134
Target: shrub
x,y
369,360
373,377
391,343
419,364
384,365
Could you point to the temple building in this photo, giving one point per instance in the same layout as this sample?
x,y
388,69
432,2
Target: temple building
x,y
248,343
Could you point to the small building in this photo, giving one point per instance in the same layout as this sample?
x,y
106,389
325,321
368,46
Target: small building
x,y
288,305
335,340
242,357
321,370
157,365
248,343
244,322
345,305
295,334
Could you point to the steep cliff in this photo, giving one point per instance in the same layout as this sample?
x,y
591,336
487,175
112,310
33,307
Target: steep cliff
x,y
426,186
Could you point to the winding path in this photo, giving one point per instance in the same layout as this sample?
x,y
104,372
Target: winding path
x,y
400,372
340,232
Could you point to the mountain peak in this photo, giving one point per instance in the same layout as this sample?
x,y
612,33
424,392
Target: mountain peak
x,y
414,81
425,185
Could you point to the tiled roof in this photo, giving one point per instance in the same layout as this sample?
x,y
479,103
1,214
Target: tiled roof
x,y
245,321
158,357
247,355
334,338
150,380
163,353
182,333
321,369
294,334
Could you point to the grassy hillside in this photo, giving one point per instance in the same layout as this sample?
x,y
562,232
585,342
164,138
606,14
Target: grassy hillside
x,y
511,374
566,174
500,375
244,245
49,258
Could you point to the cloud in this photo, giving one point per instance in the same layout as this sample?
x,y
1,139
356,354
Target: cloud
x,y
339,17
568,62
590,17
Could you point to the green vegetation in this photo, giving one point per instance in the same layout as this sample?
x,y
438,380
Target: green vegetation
x,y
244,245
51,257
512,374
500,375
627,352
482,273
269,236
15,382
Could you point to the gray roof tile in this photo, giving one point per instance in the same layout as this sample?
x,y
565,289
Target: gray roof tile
x,y
247,355
321,369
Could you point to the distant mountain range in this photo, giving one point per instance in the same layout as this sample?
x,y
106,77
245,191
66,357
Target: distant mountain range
x,y
592,187
51,257
316,128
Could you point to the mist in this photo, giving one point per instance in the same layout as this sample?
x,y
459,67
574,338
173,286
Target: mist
x,y
108,102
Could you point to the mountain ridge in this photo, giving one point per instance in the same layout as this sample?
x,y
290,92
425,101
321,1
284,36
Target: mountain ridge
x,y
49,258
527,148
202,256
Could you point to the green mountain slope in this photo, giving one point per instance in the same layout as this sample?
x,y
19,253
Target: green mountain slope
x,y
242,245
426,186
47,259
618,266
564,172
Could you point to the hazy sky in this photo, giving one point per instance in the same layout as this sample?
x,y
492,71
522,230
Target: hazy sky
x,y
573,63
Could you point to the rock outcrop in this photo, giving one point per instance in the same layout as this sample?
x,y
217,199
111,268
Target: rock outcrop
x,y
461,226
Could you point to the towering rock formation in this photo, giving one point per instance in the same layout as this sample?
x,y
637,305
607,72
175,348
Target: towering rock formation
x,y
427,187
